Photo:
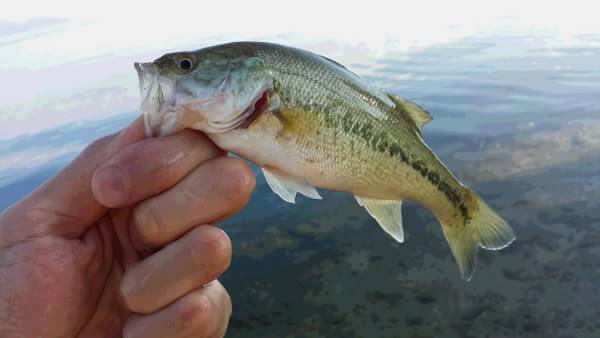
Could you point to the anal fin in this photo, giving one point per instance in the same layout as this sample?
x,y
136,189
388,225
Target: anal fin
x,y
287,187
388,213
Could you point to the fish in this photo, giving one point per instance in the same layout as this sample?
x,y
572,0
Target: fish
x,y
309,122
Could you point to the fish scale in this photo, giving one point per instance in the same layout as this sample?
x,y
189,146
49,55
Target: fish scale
x,y
354,166
321,126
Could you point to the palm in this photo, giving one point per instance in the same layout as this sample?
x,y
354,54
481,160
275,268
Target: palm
x,y
76,281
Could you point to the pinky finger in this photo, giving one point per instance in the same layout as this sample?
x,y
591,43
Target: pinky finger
x,y
202,313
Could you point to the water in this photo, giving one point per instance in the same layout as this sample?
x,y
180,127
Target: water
x,y
515,117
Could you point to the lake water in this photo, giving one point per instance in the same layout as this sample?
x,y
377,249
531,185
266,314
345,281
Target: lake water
x,y
515,117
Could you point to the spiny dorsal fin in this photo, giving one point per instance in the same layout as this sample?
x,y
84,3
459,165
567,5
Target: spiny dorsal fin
x,y
334,62
419,115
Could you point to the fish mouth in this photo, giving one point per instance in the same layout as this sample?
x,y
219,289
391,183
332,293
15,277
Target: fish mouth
x,y
220,112
147,76
157,97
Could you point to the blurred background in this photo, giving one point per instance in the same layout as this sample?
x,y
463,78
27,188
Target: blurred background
x,y
514,88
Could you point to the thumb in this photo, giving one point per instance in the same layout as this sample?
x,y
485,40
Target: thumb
x,y
65,204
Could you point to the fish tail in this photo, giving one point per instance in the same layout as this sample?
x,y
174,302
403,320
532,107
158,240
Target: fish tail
x,y
484,228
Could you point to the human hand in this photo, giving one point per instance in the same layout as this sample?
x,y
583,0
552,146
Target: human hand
x,y
116,243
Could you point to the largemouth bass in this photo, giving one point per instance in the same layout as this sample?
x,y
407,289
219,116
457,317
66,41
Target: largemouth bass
x,y
310,123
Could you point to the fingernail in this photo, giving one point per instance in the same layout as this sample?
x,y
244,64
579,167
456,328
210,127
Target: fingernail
x,y
111,186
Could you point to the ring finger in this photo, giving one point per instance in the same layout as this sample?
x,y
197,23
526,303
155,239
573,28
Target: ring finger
x,y
197,258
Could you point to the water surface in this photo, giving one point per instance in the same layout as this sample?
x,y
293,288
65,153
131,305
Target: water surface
x,y
515,117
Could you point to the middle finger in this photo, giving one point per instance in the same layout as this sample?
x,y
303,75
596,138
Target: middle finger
x,y
214,190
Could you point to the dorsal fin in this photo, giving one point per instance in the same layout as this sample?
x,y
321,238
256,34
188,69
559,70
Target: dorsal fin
x,y
419,115
334,62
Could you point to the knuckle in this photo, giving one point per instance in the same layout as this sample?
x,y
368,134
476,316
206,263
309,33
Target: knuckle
x,y
239,179
212,244
195,312
148,224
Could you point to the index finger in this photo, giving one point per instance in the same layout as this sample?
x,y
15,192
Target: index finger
x,y
149,167
65,204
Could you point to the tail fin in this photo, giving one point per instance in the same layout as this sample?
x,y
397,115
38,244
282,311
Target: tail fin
x,y
485,229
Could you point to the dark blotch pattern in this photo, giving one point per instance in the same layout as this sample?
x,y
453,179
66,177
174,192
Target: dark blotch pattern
x,y
381,143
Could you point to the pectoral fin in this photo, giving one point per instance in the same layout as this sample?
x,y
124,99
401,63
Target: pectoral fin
x,y
387,213
287,187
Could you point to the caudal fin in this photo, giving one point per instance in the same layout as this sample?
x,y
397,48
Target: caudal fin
x,y
485,229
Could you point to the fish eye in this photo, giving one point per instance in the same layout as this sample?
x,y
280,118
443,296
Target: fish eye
x,y
185,64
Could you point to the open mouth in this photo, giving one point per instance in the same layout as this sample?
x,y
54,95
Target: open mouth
x,y
256,109
157,95
147,78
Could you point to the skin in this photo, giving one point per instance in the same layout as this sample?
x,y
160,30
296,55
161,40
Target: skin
x,y
118,243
